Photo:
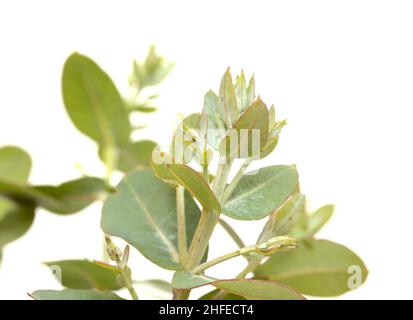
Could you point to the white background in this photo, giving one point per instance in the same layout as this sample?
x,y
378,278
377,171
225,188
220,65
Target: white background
x,y
341,72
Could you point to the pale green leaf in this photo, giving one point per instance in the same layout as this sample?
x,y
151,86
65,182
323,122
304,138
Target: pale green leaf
x,y
84,274
259,194
15,165
93,102
135,155
249,288
283,219
143,213
243,142
313,222
228,99
74,294
214,112
316,267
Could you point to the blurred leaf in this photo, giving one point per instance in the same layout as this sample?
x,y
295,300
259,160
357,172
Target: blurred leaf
x,y
15,165
249,288
257,195
143,213
94,104
135,155
15,220
316,267
251,91
84,274
255,117
66,198
153,71
140,107
192,121
74,294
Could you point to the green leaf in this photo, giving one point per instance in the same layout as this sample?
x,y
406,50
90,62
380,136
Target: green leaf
x,y
257,195
240,87
66,198
228,99
139,107
74,294
136,155
195,184
15,165
284,218
93,103
143,213
254,118
251,91
192,121
316,267
84,274
226,296
214,112
250,289
312,223
258,289
15,220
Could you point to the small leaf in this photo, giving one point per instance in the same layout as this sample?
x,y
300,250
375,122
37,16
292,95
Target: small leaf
x,y
257,195
283,219
15,220
139,107
214,112
251,91
136,155
228,99
192,121
250,289
143,213
74,294
84,274
195,184
316,267
313,223
15,165
245,143
240,87
93,103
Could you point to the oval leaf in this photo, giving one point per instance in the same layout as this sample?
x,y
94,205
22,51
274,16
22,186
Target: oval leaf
x,y
143,213
250,289
257,195
15,220
15,165
67,198
84,274
316,267
228,99
93,102
74,294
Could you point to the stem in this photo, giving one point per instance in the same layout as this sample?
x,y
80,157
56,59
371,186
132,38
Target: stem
x,y
230,188
232,233
215,261
208,220
180,210
128,283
